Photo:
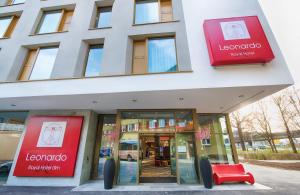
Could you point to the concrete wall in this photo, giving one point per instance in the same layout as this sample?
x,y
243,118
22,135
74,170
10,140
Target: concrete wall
x,y
84,156
204,87
8,144
73,44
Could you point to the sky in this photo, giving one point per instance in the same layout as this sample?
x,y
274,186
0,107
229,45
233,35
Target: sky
x,y
284,19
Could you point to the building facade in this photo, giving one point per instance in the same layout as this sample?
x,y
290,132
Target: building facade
x,y
134,78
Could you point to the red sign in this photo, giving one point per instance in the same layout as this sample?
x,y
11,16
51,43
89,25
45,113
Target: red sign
x,y
237,40
50,146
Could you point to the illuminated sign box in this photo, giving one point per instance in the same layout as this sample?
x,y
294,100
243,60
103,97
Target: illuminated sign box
x,y
50,147
239,40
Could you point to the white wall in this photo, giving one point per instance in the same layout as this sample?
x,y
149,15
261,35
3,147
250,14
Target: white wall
x,y
284,19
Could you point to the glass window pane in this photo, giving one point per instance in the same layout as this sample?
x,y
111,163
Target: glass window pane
x,y
109,135
146,12
18,1
44,63
186,158
50,22
12,121
184,121
162,55
4,23
214,137
93,67
11,126
128,155
148,122
104,17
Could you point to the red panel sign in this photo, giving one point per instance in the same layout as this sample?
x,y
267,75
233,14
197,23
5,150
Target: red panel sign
x,y
50,146
237,40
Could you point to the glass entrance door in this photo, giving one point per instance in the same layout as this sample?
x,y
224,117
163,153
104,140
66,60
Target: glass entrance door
x,y
157,158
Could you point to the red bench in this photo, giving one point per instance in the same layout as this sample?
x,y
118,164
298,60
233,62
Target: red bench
x,y
231,173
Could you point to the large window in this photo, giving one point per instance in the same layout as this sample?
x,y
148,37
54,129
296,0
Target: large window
x,y
93,66
55,21
39,63
154,55
103,19
7,25
13,2
215,140
152,11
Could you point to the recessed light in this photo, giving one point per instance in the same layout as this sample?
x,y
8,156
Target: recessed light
x,y
181,98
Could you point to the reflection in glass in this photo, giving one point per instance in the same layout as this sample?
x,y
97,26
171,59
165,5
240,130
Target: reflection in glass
x,y
93,67
44,63
50,22
4,23
186,158
109,135
146,11
104,17
148,122
12,121
184,121
214,137
162,55
18,1
128,156
11,126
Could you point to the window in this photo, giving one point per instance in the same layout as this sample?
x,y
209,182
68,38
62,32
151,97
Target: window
x,y
94,60
152,11
7,26
39,64
215,138
13,2
154,55
103,19
55,21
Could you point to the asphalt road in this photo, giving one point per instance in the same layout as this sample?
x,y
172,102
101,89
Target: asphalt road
x,y
282,182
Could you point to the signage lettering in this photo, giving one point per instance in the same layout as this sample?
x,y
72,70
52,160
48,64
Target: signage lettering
x,y
239,40
49,147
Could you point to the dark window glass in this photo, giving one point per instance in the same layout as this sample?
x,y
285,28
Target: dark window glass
x,y
146,12
162,55
104,17
93,67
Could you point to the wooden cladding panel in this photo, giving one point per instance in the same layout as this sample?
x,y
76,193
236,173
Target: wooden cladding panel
x,y
28,66
140,57
11,26
65,21
166,13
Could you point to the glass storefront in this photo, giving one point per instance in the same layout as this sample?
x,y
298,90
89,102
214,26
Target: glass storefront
x,y
12,124
108,142
163,145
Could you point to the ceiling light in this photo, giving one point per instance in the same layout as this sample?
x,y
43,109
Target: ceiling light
x,y
181,99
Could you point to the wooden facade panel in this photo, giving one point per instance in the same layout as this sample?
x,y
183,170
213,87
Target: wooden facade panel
x,y
29,63
166,13
139,57
65,21
11,27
